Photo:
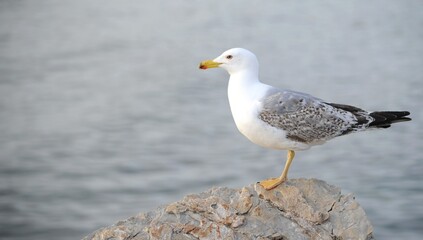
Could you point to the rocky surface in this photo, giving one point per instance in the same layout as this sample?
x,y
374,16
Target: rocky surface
x,y
298,209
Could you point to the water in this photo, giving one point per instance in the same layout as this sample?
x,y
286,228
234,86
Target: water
x,y
104,114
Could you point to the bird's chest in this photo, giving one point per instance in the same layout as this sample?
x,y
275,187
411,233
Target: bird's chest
x,y
244,107
257,131
245,115
246,119
245,111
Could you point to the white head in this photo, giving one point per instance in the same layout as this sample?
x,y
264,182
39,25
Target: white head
x,y
234,60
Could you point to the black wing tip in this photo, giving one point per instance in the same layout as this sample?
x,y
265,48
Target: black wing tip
x,y
384,119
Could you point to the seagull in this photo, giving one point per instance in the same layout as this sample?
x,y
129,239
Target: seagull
x,y
288,120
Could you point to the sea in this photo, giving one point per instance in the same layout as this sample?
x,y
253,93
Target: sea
x,y
104,113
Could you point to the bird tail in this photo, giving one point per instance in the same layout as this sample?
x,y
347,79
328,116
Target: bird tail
x,y
384,119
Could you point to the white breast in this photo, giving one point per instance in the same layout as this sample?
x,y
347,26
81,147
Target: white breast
x,y
244,99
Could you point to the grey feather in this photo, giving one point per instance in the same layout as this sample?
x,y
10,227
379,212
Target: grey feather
x,y
305,118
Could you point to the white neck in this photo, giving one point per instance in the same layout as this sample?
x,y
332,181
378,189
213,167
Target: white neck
x,y
244,89
241,84
245,92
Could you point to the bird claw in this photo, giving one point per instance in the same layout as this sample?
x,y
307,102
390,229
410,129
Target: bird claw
x,y
271,183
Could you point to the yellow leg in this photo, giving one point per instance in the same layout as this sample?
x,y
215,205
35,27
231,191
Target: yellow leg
x,y
274,182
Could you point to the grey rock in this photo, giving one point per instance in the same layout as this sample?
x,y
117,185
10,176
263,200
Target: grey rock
x,y
298,209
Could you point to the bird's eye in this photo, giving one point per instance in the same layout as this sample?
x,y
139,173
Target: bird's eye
x,y
229,57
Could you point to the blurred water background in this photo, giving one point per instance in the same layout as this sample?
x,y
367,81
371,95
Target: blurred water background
x,y
104,113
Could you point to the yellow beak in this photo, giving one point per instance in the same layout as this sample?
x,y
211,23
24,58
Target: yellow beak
x,y
208,64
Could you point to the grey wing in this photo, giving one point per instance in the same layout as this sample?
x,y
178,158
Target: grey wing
x,y
305,118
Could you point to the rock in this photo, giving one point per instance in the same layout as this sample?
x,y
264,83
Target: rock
x,y
297,209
